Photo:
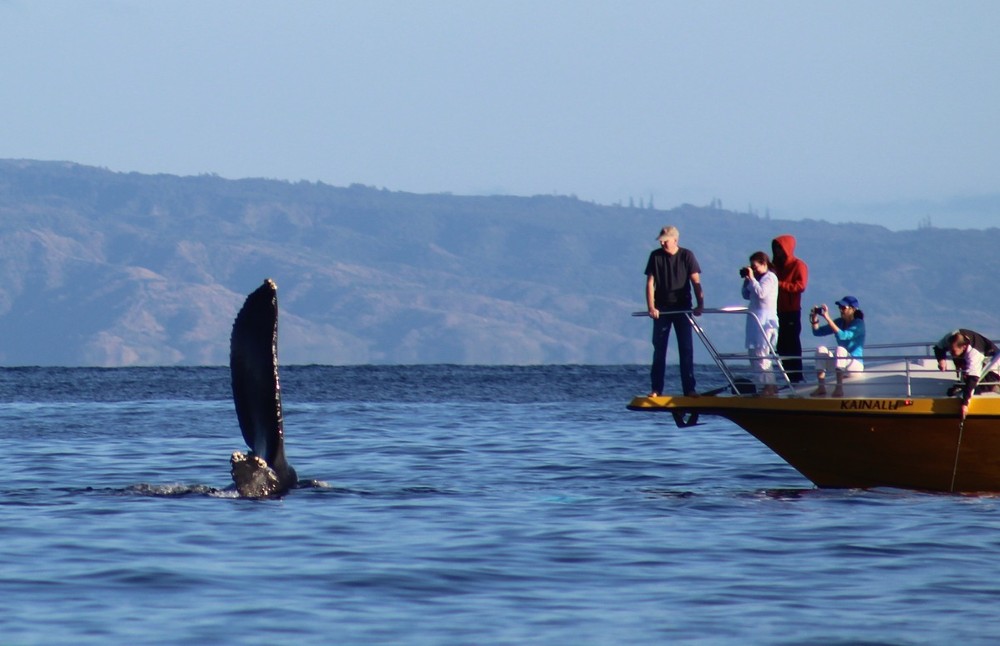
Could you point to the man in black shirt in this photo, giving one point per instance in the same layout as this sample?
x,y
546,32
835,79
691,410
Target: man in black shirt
x,y
671,272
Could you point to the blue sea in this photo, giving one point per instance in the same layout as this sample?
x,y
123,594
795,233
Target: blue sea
x,y
455,505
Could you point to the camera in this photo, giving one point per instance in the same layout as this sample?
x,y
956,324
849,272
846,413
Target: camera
x,y
816,311
744,272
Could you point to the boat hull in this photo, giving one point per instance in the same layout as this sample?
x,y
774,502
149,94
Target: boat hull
x,y
915,443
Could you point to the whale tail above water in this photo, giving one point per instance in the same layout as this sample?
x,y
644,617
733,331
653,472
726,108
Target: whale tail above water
x,y
253,364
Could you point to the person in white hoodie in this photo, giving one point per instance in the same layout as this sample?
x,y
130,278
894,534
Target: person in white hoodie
x,y
976,358
760,287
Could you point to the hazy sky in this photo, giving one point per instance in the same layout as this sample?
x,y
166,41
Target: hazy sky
x,y
805,109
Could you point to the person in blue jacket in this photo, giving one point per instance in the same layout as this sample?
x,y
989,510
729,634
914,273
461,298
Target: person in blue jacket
x,y
849,330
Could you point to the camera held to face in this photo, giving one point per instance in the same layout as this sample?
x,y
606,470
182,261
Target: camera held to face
x,y
744,272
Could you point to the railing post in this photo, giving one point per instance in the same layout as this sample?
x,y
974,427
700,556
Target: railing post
x,y
909,390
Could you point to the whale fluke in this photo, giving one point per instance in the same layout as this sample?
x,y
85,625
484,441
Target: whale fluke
x,y
253,364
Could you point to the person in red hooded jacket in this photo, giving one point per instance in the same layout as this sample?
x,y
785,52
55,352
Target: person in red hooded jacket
x,y
793,275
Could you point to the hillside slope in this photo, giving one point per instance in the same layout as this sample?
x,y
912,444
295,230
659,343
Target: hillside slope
x,y
115,269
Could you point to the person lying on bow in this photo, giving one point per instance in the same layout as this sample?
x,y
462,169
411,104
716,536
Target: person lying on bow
x,y
975,358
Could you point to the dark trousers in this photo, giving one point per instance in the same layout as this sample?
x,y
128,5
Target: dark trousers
x,y
790,344
685,350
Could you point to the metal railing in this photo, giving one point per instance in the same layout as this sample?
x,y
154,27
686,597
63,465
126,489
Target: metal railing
x,y
881,359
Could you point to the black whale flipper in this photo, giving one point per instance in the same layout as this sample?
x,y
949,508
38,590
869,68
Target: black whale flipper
x,y
253,363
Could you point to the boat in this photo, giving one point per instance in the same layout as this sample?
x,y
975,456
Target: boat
x,y
895,425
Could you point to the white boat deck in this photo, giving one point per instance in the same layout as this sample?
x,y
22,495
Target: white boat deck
x,y
910,377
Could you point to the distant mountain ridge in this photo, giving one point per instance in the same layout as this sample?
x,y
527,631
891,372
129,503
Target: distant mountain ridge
x,y
117,269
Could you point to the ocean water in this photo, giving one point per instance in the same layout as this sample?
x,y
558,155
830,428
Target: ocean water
x,y
455,505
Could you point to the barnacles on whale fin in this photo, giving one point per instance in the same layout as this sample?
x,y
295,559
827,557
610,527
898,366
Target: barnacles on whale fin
x,y
252,476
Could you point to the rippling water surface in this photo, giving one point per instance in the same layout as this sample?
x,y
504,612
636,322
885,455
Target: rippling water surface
x,y
457,505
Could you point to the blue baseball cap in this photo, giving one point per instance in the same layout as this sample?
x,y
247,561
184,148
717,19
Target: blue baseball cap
x,y
848,301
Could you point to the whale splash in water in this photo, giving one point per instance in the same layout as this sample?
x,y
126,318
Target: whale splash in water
x,y
264,472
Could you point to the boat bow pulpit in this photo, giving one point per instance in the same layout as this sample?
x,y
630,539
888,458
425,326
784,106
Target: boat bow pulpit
x,y
894,426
